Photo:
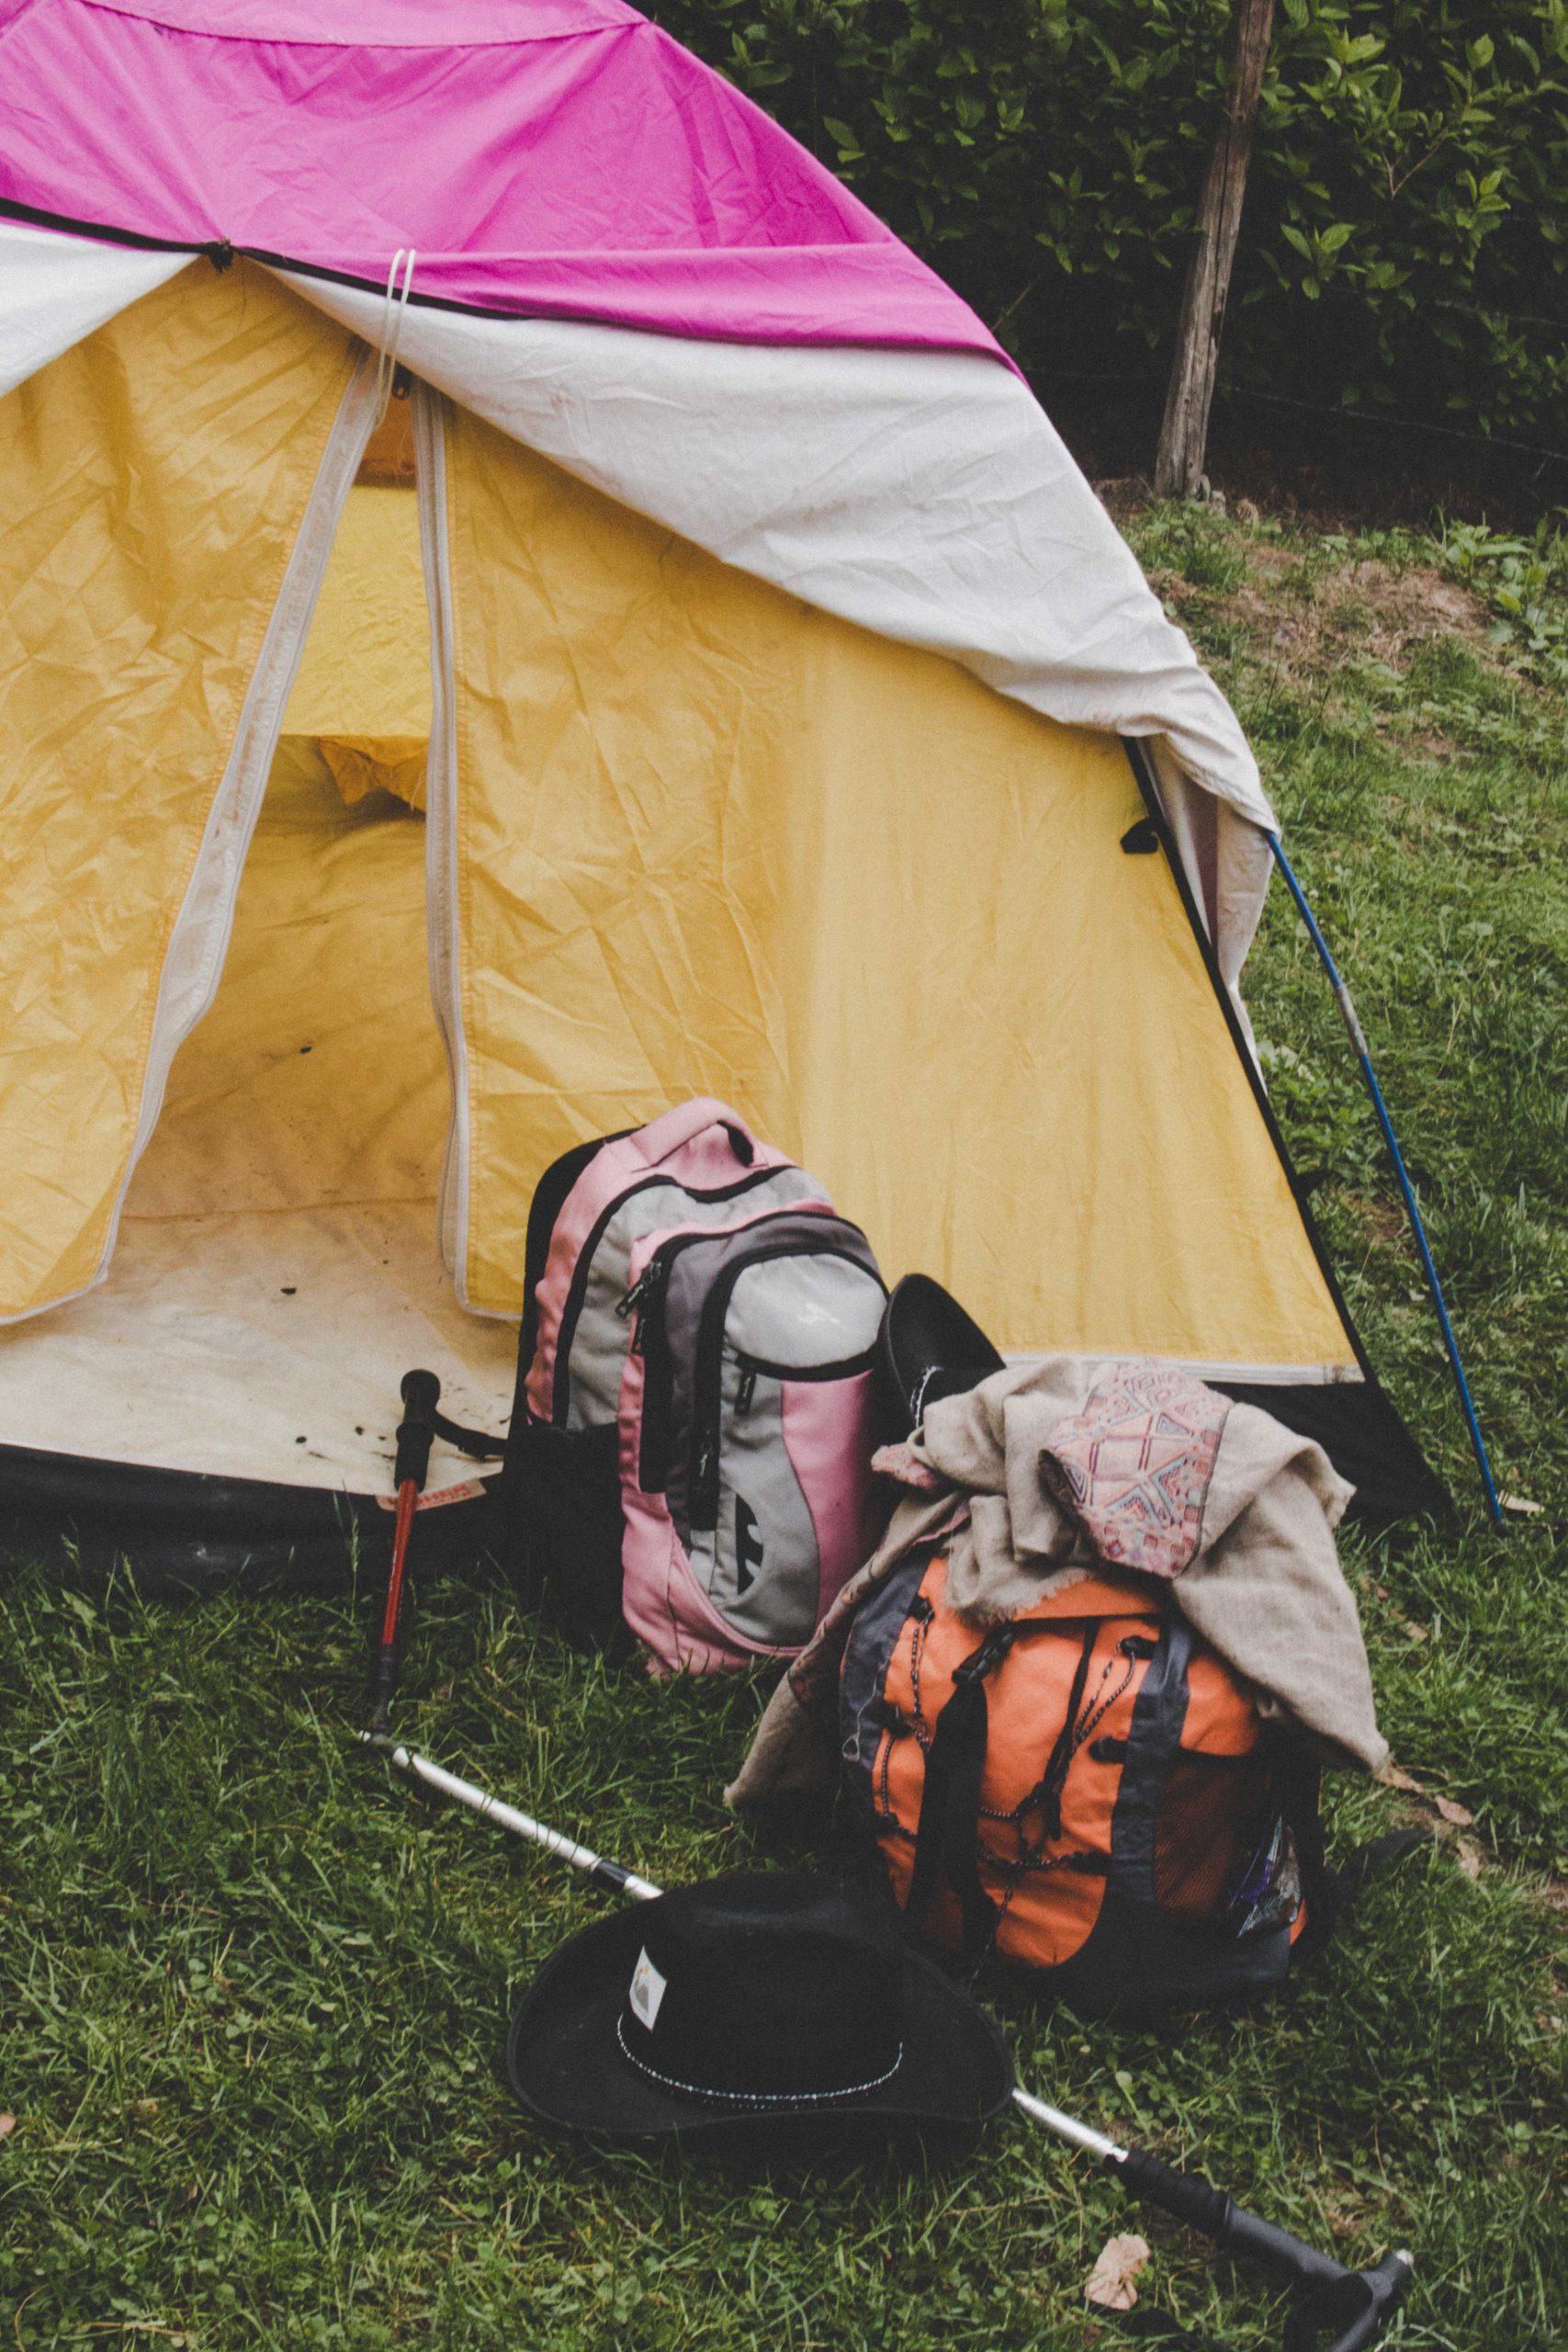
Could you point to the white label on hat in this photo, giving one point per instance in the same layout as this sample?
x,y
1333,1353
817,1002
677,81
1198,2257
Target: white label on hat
x,y
647,1990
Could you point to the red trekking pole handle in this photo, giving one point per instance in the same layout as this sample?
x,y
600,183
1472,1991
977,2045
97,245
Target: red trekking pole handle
x,y
416,1434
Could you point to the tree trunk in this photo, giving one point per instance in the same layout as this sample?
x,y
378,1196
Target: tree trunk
x,y
1184,431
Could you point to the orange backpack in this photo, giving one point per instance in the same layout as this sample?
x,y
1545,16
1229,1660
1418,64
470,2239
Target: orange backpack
x,y
1086,1789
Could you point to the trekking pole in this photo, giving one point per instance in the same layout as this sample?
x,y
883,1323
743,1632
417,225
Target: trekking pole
x,y
416,1434
1359,1044
1354,2305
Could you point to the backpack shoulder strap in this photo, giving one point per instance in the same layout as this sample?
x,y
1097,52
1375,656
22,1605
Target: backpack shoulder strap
x,y
1298,1777
946,1845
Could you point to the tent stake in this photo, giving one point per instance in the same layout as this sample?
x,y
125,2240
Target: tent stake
x,y
1357,1039
1354,2306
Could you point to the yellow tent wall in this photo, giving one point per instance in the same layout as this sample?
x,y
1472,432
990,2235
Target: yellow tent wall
x,y
707,839
155,478
688,835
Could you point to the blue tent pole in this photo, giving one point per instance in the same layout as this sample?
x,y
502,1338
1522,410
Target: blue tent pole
x,y
1357,1039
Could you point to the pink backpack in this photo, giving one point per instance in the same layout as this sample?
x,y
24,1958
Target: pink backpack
x,y
691,1442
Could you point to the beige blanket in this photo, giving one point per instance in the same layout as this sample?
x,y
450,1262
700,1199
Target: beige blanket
x,y
1044,1470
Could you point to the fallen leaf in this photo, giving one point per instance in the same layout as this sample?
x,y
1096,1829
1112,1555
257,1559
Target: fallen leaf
x,y
1110,2285
1394,1778
1416,1633
1468,1856
1521,1503
7,2125
1460,1815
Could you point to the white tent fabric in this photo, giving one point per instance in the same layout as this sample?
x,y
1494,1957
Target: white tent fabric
x,y
55,289
923,495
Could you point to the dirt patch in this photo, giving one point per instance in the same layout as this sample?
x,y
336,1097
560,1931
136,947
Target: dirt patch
x,y
1409,606
1305,620
1383,1221
1377,610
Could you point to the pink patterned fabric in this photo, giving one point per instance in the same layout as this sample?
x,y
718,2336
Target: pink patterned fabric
x,y
1134,1467
560,158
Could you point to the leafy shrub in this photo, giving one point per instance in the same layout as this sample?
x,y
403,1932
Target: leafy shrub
x,y
1405,242
1526,583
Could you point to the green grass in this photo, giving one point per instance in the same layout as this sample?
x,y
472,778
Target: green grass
x,y
252,1993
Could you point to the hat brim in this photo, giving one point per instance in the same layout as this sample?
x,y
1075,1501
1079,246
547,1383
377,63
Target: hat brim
x,y
564,2064
928,1347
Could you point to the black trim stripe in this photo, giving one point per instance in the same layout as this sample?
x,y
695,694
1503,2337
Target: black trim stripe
x,y
1358,1424
221,251
11,210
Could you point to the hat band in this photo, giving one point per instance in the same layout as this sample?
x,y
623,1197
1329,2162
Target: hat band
x,y
753,2099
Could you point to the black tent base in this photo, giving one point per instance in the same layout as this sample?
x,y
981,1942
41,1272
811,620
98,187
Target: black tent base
x,y
1359,1428
178,1535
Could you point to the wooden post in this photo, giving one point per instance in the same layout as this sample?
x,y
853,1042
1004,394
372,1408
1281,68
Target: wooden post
x,y
1184,431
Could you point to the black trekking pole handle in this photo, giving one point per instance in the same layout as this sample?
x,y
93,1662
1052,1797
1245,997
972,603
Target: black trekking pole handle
x,y
1354,2306
421,1394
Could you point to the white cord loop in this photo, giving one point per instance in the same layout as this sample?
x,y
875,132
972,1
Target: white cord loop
x,y
396,302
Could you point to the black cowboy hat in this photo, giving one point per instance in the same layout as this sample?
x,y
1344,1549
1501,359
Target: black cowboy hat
x,y
928,1347
748,2007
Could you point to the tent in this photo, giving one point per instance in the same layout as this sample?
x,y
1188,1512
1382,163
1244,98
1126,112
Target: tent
x,y
713,677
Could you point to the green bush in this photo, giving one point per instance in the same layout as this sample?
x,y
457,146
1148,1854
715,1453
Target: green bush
x,y
1405,242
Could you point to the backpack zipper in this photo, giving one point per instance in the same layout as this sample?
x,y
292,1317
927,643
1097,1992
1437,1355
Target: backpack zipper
x,y
754,1368
650,1338
710,1400
551,1196
576,1292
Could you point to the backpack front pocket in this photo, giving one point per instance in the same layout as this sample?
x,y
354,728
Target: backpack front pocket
x,y
754,1436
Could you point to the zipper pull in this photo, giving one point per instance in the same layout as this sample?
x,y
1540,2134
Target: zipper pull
x,y
628,1307
705,1466
639,1300
747,1390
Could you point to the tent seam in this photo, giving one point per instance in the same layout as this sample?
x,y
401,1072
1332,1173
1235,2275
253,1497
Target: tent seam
x,y
443,907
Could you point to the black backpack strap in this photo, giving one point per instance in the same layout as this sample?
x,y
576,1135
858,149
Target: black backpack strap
x,y
478,1443
946,1840
1368,1860
1298,1779
475,1443
1298,1782
1047,1790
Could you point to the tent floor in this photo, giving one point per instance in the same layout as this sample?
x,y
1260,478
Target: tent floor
x,y
222,1410
258,1345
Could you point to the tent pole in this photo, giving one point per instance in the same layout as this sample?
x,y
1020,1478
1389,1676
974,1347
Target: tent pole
x,y
1357,1039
